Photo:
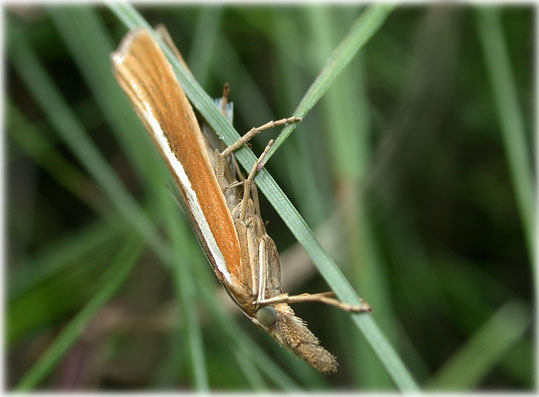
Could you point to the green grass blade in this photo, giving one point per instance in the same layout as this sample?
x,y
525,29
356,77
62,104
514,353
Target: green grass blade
x,y
510,114
51,260
31,141
61,117
310,187
482,351
518,362
458,282
367,24
246,346
110,282
128,15
327,267
250,103
66,288
252,375
204,41
183,284
345,107
90,46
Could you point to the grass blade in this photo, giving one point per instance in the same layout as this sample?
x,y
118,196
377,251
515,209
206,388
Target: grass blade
x,y
58,166
249,349
183,285
251,372
62,118
90,46
510,114
362,30
346,110
110,282
51,260
205,38
484,349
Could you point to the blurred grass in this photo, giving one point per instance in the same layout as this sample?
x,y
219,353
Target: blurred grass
x,y
511,119
32,270
58,111
185,291
361,31
56,280
347,116
89,45
473,360
110,281
353,155
30,140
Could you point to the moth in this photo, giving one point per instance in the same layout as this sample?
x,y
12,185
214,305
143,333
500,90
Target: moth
x,y
218,200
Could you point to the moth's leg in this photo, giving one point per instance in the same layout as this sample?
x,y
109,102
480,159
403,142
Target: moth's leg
x,y
243,240
269,269
254,190
324,297
233,184
256,202
256,130
254,256
249,181
262,271
220,156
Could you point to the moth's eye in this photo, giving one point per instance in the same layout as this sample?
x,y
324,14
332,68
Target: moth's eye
x,y
266,315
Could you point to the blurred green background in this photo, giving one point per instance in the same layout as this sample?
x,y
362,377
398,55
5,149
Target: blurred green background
x,y
414,170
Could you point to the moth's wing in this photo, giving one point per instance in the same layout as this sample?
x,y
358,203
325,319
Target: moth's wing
x,y
180,202
212,140
146,76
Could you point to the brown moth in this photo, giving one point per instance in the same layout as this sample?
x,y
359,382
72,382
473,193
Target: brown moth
x,y
220,209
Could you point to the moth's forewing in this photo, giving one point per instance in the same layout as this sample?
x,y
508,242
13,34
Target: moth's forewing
x,y
146,76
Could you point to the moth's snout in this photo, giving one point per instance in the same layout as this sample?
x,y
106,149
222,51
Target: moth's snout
x,y
266,315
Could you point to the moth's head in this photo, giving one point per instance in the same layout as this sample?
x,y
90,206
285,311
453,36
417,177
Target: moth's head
x,y
291,332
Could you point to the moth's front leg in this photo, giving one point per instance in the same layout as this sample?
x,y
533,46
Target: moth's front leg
x,y
220,156
247,277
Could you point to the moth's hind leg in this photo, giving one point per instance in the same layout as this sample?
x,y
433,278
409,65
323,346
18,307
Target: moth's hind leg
x,y
323,297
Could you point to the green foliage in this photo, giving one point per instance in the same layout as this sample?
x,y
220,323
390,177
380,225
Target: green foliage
x,y
413,154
